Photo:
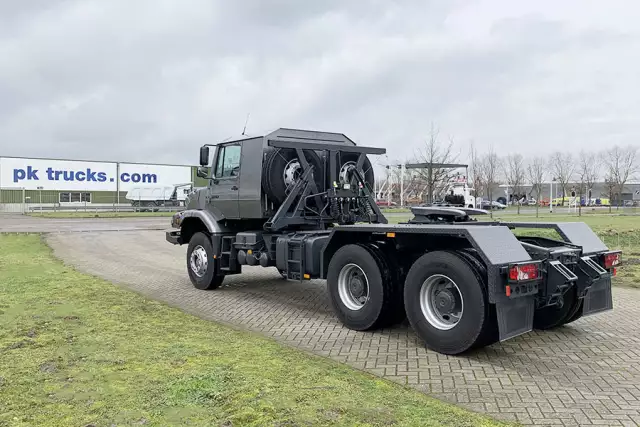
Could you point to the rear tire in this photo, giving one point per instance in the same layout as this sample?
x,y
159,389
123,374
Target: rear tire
x,y
202,267
577,314
551,317
452,320
490,333
362,293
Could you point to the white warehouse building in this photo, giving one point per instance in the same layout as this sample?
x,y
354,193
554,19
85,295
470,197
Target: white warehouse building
x,y
31,183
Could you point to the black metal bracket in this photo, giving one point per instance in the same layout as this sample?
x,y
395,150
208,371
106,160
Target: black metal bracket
x,y
367,193
280,219
294,210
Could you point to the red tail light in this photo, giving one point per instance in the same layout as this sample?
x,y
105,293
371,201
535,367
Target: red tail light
x,y
522,272
611,259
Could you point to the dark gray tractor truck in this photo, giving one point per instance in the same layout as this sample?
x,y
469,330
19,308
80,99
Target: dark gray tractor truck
x,y
302,202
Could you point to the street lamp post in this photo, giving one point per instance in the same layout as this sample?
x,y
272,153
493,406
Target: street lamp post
x,y
402,185
40,194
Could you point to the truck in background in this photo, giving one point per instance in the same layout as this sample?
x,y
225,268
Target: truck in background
x,y
153,197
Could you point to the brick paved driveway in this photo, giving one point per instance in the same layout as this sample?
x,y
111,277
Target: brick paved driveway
x,y
585,374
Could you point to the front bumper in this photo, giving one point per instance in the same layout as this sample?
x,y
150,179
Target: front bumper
x,y
173,237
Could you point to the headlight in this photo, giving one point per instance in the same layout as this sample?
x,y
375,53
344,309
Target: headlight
x,y
176,219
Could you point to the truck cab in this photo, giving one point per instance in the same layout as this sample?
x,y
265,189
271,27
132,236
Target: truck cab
x,y
233,172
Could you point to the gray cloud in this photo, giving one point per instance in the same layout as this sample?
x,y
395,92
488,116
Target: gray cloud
x,y
152,80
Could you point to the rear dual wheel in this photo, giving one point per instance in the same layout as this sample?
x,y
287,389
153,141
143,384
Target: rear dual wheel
x,y
577,314
446,303
444,296
557,315
363,289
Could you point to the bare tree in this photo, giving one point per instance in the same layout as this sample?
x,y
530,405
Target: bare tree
x,y
476,172
562,167
490,165
588,170
435,153
514,171
610,185
620,165
536,171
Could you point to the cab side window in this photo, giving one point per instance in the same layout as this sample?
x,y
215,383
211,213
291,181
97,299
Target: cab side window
x,y
228,163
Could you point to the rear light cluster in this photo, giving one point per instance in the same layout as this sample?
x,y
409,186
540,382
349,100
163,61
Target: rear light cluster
x,y
612,259
522,272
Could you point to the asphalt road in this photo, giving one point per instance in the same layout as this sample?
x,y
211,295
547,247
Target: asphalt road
x,y
12,223
584,374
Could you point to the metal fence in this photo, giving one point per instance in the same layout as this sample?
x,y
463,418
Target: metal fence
x,y
20,200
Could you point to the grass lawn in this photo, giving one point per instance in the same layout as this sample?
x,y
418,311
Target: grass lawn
x,y
78,351
90,214
385,209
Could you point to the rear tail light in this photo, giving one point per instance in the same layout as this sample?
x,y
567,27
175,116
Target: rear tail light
x,y
611,259
522,272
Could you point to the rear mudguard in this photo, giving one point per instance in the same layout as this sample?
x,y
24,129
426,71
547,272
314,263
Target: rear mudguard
x,y
574,263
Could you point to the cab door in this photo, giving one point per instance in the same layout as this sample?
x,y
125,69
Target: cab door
x,y
226,180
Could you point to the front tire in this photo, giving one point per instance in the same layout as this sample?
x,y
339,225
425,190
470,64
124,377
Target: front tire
x,y
202,267
445,302
362,290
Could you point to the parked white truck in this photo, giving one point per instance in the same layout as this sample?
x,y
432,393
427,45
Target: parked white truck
x,y
152,197
458,193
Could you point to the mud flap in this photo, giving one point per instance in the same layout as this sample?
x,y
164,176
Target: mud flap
x,y
598,298
515,316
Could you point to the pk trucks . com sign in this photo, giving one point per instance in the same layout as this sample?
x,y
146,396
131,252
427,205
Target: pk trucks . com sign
x,y
88,176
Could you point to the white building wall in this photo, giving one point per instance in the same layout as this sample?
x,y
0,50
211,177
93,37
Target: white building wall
x,y
73,175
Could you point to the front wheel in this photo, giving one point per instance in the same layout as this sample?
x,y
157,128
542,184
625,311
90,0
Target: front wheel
x,y
445,302
202,267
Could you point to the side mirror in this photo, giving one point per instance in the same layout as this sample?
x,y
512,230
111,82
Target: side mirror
x,y
202,172
204,156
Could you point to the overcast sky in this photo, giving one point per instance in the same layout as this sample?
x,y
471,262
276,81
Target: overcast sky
x,y
151,80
